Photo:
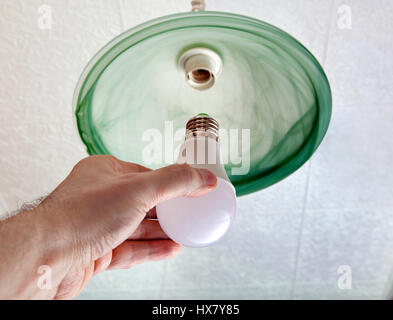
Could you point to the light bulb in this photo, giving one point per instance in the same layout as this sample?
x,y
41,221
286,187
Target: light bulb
x,y
200,221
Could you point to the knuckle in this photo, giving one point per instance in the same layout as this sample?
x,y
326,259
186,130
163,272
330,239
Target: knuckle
x,y
143,193
185,172
94,158
104,158
82,163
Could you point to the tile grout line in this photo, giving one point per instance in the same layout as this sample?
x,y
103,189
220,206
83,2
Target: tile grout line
x,y
388,288
300,236
297,254
328,33
161,290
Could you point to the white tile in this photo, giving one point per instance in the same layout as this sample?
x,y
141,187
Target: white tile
x,y
147,276
287,194
137,12
39,71
119,295
325,292
352,167
40,67
259,251
359,60
360,239
306,20
38,158
235,293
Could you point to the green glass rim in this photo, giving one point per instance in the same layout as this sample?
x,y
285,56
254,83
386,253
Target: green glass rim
x,y
131,37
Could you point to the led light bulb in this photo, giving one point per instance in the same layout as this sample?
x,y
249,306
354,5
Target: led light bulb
x,y
200,221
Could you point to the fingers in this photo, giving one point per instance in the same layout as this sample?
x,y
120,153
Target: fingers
x,y
172,182
102,263
152,213
130,253
148,230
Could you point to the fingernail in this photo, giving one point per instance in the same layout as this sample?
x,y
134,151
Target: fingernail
x,y
209,177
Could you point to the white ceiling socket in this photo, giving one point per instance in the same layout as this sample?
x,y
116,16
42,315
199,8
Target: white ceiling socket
x,y
201,66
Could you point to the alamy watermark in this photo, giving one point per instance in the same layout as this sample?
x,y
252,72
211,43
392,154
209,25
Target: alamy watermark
x,y
44,282
344,281
344,20
163,148
44,17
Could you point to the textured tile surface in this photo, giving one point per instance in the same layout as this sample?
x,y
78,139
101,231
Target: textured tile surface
x,y
288,240
288,195
348,217
352,168
361,239
306,20
230,293
147,276
257,252
108,294
39,71
359,291
359,59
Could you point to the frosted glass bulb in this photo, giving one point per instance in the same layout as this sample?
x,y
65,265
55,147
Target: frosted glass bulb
x,y
200,221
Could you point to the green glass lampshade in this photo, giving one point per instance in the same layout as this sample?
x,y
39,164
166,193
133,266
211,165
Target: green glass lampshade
x,y
269,83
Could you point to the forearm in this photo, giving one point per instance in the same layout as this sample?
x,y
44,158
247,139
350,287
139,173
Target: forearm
x,y
31,257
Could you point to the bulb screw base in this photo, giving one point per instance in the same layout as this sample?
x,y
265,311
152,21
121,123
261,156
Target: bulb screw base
x,y
202,125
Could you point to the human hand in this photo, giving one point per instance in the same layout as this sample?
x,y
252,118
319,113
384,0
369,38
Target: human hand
x,y
95,220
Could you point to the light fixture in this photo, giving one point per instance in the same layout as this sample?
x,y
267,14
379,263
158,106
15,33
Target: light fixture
x,y
245,73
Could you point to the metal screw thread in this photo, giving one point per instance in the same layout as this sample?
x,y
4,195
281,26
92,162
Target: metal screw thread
x,y
202,125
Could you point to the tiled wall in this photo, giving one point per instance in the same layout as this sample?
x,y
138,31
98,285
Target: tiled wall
x,y
289,240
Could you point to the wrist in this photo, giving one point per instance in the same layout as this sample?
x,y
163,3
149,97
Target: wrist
x,y
54,238
32,249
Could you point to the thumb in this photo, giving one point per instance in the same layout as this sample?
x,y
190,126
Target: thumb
x,y
174,181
